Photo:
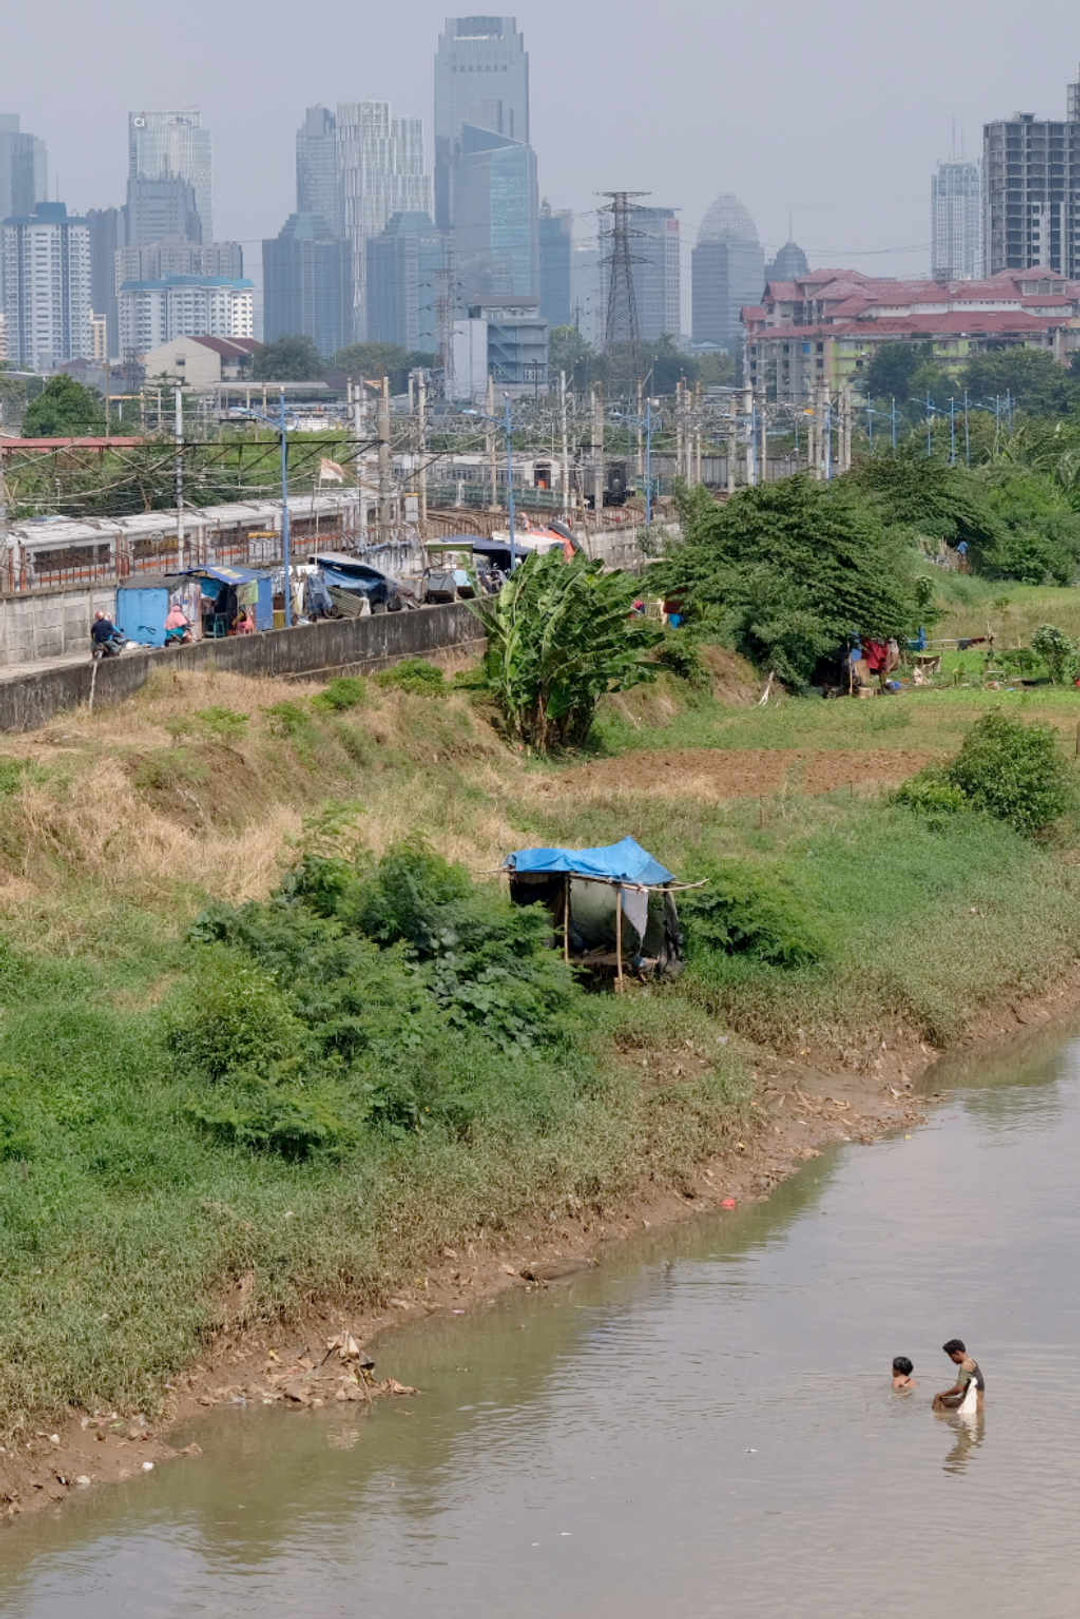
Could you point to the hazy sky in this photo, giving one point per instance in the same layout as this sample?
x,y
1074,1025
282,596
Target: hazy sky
x,y
836,109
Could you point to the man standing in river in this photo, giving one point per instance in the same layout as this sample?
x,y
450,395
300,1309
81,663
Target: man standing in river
x,y
967,1392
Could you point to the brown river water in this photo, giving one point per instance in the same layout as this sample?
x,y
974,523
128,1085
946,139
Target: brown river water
x,y
702,1427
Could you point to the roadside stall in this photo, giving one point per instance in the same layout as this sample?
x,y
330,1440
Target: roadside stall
x,y
143,605
231,599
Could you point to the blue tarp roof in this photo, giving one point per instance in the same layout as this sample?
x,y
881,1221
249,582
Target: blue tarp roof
x,y
625,862
227,576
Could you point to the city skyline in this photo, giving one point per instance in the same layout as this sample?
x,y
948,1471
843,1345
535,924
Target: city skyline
x,y
854,173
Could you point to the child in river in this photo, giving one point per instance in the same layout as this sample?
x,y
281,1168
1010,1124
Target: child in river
x,y
902,1379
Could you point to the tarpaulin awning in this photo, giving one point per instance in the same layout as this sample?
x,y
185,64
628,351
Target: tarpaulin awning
x,y
226,576
625,862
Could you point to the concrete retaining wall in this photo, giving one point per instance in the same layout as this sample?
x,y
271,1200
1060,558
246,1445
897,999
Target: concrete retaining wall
x,y
309,649
50,623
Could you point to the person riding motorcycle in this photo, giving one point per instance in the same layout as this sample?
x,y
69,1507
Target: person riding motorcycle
x,y
105,639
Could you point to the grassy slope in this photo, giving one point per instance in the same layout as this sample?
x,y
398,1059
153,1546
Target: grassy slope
x,y
121,1227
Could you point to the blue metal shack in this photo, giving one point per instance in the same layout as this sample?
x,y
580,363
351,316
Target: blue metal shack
x,y
141,609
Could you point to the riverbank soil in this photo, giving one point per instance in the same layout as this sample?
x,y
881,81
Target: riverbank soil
x,y
150,1266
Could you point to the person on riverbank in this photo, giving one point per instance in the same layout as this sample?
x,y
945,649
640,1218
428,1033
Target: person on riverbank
x,y
902,1379
966,1394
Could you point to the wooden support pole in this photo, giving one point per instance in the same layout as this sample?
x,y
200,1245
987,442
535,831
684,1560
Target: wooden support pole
x,y
618,938
566,920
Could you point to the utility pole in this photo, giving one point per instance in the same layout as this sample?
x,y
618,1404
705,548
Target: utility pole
x,y
763,440
178,425
567,504
489,443
508,427
8,559
680,430
748,414
699,416
648,464
286,523
828,437
732,444
383,430
596,446
421,399
639,459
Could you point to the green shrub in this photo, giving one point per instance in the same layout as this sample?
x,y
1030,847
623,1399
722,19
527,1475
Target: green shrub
x,y
1014,772
1058,651
290,720
932,795
749,909
347,691
230,1015
221,724
264,1118
681,656
414,675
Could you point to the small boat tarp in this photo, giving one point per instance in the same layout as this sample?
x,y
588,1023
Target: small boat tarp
x,y
612,905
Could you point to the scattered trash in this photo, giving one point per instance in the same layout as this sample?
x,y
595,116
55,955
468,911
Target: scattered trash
x,y
729,1203
148,1467
82,1481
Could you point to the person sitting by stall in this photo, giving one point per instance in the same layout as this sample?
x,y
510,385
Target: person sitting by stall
x,y
245,623
177,626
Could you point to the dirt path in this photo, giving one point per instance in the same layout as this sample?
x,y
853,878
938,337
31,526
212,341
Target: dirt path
x,y
716,774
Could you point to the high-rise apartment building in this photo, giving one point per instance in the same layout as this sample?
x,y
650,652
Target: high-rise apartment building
x,y
381,172
482,79
307,284
24,169
556,247
318,186
162,208
106,227
45,277
656,269
174,145
956,221
404,265
728,271
155,312
1031,192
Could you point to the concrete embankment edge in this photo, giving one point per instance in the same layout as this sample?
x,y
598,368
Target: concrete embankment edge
x,y
334,647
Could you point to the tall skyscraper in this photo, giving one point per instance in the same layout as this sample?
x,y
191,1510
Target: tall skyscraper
x,y
381,171
956,246
106,226
1031,192
556,246
727,272
496,217
24,169
482,79
403,288
45,276
174,145
318,188
307,284
157,209
656,267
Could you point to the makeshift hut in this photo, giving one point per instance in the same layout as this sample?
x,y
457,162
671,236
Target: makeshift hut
x,y
143,602
227,594
613,908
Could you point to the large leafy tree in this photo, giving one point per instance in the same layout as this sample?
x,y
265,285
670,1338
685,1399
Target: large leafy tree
x,y
1031,378
791,570
290,359
891,370
560,635
64,409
